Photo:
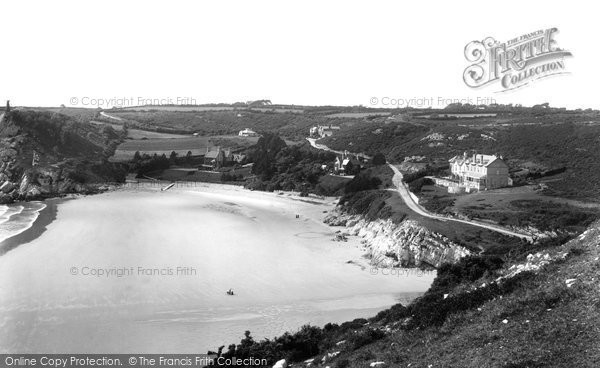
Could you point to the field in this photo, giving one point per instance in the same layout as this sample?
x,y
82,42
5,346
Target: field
x,y
357,115
278,110
164,143
141,134
290,125
174,108
114,126
518,206
126,150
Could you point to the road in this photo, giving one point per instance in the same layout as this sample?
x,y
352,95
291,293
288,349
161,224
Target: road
x,y
110,116
313,142
407,197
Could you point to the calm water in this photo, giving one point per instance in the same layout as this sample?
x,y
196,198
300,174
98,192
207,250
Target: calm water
x,y
147,272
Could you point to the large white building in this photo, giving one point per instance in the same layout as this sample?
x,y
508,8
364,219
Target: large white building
x,y
479,171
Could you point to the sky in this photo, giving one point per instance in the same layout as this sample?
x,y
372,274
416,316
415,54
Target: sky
x,y
371,53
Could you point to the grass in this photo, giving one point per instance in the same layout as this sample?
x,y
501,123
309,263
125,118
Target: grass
x,y
357,115
126,150
467,319
331,184
211,122
471,237
517,206
175,108
141,134
548,324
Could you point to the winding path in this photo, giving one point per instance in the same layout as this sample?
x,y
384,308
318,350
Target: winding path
x,y
407,197
110,116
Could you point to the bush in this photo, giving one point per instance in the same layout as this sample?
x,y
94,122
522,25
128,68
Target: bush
x,y
365,337
379,159
361,182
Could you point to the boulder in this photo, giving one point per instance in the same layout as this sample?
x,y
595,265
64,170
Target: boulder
x,y
33,192
5,198
7,187
280,364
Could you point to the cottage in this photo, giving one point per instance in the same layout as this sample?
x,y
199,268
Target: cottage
x,y
327,130
214,157
479,171
247,133
344,162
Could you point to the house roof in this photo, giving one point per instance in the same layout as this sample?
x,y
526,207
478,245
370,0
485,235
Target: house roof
x,y
212,154
477,159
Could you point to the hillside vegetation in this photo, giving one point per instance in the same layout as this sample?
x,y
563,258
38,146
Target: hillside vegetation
x,y
47,154
567,143
537,307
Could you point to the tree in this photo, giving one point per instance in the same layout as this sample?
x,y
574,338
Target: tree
x,y
137,157
265,153
379,159
173,157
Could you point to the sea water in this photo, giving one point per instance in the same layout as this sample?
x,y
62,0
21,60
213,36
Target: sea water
x,y
148,271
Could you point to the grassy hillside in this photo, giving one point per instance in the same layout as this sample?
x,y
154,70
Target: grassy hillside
x,y
536,143
537,307
291,125
45,154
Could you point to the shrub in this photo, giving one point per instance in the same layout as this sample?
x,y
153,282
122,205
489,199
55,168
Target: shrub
x,y
365,337
379,159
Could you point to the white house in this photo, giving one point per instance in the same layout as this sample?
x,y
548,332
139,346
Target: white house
x,y
327,130
479,171
341,163
247,133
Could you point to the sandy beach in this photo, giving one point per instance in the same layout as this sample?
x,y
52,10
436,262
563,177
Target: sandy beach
x,y
141,270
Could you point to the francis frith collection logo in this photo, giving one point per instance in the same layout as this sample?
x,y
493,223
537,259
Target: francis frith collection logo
x,y
514,63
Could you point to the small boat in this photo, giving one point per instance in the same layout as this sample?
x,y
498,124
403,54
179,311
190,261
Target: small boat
x,y
230,292
167,187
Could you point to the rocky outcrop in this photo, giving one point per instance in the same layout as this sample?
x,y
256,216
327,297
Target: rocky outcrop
x,y
404,244
46,155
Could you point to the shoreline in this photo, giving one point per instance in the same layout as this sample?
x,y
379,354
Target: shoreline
x,y
45,217
341,289
50,213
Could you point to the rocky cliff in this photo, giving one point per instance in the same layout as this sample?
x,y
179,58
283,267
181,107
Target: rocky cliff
x,y
44,155
404,244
